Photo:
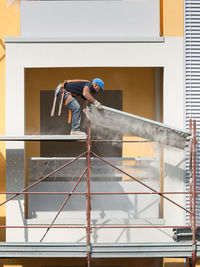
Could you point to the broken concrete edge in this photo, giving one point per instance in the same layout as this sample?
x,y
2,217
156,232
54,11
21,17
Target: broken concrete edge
x,y
127,124
148,121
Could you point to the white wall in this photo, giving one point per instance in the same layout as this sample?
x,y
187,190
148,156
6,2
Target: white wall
x,y
92,19
167,54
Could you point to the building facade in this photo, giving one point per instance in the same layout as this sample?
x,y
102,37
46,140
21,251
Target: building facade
x,y
137,48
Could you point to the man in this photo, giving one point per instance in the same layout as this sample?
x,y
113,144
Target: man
x,y
66,92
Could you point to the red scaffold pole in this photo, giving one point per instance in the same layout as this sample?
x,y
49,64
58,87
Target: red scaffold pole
x,y
88,229
190,170
194,197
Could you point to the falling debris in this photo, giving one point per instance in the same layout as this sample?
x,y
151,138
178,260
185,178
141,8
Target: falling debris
x,y
130,124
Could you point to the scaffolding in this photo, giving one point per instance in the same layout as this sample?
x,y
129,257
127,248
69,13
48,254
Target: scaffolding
x,y
93,250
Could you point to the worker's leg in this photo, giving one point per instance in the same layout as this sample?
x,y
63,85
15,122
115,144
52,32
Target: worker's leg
x,y
76,114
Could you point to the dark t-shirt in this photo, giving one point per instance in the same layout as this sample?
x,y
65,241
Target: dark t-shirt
x,y
77,87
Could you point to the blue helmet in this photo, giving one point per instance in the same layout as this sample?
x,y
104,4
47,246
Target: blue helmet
x,y
99,82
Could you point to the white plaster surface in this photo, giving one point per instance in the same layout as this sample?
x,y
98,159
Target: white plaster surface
x,y
90,18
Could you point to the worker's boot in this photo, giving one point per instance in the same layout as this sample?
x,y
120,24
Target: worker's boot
x,y
77,133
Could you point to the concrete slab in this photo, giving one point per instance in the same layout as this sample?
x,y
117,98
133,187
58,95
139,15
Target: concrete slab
x,y
129,124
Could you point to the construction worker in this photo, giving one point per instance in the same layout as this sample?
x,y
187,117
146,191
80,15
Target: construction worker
x,y
69,89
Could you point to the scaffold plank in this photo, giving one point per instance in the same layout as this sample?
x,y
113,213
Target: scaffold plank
x,y
43,137
109,250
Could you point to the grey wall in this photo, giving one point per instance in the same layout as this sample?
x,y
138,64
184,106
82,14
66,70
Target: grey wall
x,y
115,209
90,19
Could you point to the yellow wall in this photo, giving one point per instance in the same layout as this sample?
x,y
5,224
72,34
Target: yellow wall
x,y
172,17
138,95
9,26
137,85
198,262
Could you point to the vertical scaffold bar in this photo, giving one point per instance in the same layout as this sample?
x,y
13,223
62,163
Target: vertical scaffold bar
x,y
88,229
190,171
194,196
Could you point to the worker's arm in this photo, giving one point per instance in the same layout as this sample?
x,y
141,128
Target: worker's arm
x,y
87,95
90,98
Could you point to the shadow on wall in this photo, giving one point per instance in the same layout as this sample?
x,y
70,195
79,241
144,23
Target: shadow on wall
x,y
131,207
174,172
174,163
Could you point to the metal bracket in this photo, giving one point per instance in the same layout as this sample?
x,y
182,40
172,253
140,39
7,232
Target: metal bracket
x,y
194,247
89,249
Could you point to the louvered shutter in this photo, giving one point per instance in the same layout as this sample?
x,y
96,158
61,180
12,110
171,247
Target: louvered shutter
x,y
192,83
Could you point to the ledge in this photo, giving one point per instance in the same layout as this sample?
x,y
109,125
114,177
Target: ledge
x,y
43,137
84,40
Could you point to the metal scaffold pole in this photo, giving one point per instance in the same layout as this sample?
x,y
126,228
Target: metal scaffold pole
x,y
88,196
191,171
194,197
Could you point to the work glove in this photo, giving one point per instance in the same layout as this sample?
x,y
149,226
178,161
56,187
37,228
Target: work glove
x,y
98,105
